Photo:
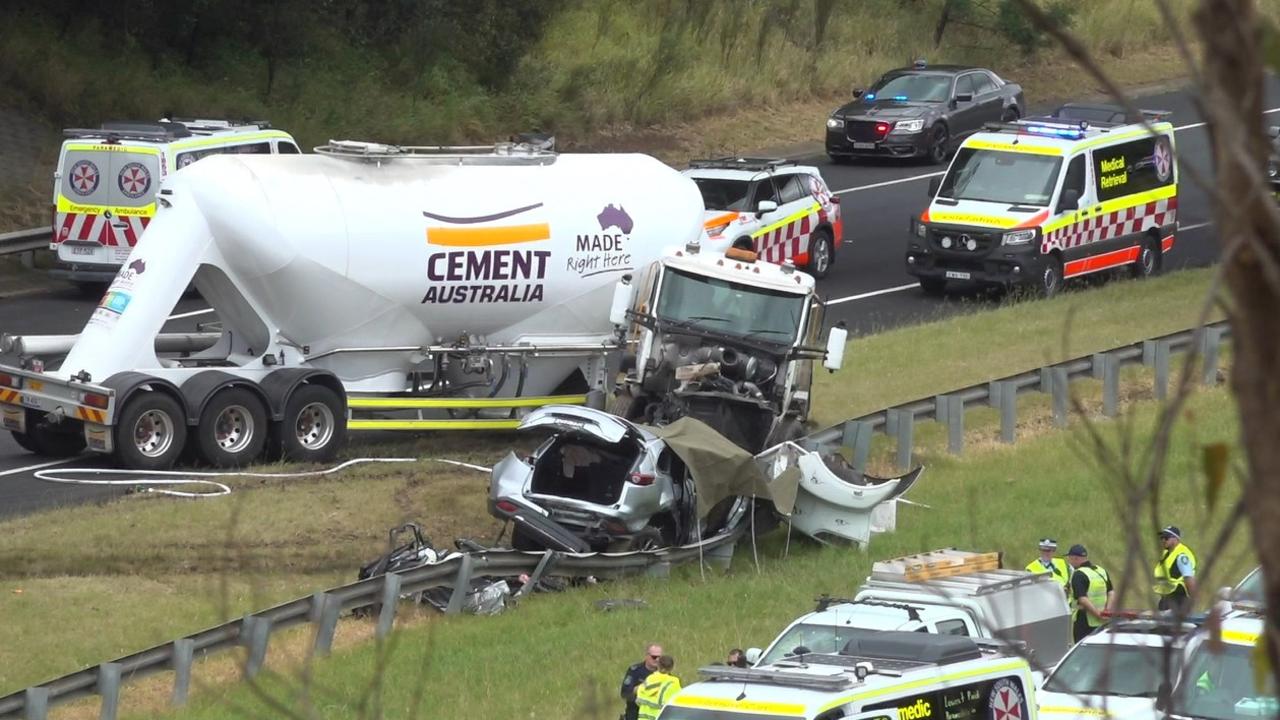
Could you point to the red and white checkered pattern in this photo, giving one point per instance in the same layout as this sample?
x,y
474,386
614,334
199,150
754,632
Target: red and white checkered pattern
x,y
786,242
97,227
1108,226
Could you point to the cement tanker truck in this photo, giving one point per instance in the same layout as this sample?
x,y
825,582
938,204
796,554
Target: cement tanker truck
x,y
365,287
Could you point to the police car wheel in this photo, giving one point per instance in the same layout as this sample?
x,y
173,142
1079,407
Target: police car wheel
x,y
938,144
1051,278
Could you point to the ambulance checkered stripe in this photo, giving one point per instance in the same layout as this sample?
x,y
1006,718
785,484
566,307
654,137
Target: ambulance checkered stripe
x,y
1108,226
98,228
786,242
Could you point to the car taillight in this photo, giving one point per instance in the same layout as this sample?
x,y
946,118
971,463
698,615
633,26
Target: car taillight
x,y
642,479
882,129
96,400
12,381
506,506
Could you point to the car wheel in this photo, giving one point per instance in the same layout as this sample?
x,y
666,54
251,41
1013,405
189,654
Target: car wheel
x,y
232,429
938,140
1148,262
933,286
821,253
150,432
649,538
1050,278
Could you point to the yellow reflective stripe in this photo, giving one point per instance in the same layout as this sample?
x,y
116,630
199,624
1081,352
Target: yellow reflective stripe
x,y
1239,637
961,218
1120,203
103,147
432,424
415,403
755,706
65,205
1163,128
1021,147
1064,710
788,219
228,140
924,682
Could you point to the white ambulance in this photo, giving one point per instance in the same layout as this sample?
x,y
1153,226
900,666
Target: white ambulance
x,y
104,189
1222,678
878,675
783,211
1042,200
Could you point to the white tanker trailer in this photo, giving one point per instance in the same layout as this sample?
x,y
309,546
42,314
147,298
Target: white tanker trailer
x,y
363,287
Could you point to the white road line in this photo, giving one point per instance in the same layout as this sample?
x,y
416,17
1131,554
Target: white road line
x,y
193,313
873,293
31,468
1197,226
887,183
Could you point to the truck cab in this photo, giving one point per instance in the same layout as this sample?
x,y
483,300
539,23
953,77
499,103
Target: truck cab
x,y
726,338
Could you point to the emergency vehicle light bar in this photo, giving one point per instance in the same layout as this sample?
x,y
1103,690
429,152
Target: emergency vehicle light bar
x,y
773,676
740,163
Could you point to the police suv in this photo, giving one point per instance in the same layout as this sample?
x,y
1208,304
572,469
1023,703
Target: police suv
x,y
784,211
1222,679
877,675
104,189
1041,200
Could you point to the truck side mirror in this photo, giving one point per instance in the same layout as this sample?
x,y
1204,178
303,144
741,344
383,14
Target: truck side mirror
x,y
1070,200
836,340
766,206
935,184
752,655
621,301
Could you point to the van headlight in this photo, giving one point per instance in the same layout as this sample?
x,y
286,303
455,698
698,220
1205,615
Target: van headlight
x,y
1019,237
835,123
909,126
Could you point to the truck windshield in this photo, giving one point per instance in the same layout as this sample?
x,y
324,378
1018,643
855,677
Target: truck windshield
x,y
998,176
723,194
1220,686
824,639
1107,669
730,308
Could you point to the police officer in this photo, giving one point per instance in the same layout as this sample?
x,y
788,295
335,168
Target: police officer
x,y
635,677
1175,573
657,690
1091,593
1047,563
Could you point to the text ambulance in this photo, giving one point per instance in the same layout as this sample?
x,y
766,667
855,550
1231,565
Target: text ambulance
x,y
878,675
104,190
1042,200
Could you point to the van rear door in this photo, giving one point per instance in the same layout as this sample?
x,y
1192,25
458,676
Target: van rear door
x,y
105,198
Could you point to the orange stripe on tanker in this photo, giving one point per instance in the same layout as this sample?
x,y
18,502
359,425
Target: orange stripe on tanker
x,y
484,236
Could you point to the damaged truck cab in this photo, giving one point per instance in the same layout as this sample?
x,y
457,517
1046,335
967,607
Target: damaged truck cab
x,y
724,338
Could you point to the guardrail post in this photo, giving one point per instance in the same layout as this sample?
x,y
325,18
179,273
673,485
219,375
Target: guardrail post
x,y
1046,380
549,559
109,689
1148,352
254,633
1007,393
36,703
1059,386
903,423
857,437
1110,385
461,585
390,599
184,652
1098,365
940,408
1210,350
325,609
955,424
1162,369
994,388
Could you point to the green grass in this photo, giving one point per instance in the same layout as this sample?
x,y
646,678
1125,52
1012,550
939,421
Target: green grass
x,y
559,656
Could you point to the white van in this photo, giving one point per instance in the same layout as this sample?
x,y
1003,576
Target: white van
x,y
104,189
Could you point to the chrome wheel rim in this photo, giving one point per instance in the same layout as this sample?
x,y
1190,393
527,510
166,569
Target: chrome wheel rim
x,y
821,256
314,426
1148,261
153,433
233,429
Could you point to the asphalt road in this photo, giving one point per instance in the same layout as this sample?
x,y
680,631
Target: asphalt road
x,y
868,286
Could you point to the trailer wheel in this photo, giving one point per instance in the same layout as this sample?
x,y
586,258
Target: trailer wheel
x,y
49,440
151,432
232,429
313,427
24,441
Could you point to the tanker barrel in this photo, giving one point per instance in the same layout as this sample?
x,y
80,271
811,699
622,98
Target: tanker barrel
x,y
45,345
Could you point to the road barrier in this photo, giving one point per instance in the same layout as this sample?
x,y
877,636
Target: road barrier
x,y
21,241
323,609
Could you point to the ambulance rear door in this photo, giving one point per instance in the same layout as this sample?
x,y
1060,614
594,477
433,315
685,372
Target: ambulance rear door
x,y
105,198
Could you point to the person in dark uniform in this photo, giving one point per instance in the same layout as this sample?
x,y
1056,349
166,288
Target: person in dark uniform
x,y
635,677
1091,593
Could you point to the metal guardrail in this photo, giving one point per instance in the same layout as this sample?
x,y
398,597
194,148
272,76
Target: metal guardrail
x,y
948,408
323,610
21,241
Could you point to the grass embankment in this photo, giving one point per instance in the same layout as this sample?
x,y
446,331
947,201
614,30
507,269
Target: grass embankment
x,y
156,564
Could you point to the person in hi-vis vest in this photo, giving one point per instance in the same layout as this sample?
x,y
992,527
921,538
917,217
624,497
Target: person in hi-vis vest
x,y
1048,563
1175,572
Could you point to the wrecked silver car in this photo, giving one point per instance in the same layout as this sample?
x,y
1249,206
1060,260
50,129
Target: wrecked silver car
x,y
601,483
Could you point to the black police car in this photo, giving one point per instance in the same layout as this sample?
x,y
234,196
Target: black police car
x,y
921,111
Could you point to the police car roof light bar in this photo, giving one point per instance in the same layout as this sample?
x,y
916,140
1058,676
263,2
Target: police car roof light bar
x,y
774,676
739,163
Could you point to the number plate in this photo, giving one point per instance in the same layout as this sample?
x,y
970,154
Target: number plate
x,y
83,250
29,401
956,275
864,146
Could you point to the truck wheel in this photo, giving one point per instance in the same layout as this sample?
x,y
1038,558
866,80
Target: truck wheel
x,y
43,438
232,429
313,426
24,441
627,406
151,432
821,252
933,286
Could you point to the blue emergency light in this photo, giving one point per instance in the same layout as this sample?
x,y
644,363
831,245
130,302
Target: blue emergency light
x,y
1067,132
900,98
869,96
